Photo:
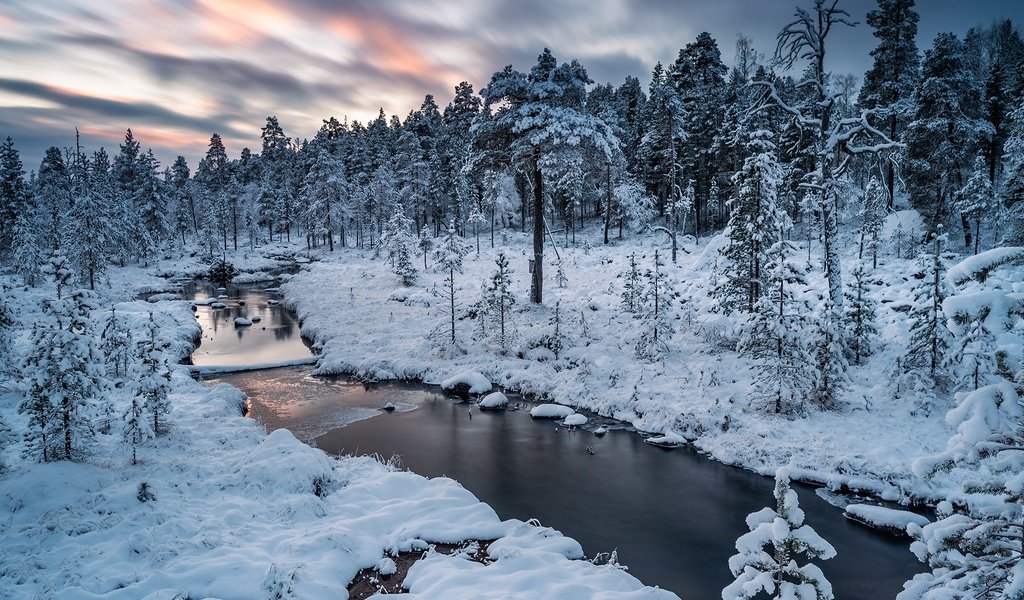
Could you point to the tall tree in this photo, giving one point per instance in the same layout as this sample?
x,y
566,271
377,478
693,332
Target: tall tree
x,y
13,193
448,260
533,119
890,82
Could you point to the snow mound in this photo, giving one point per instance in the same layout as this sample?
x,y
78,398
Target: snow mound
x,y
253,277
204,302
886,519
670,439
551,411
163,296
493,401
540,354
242,322
575,420
282,465
477,383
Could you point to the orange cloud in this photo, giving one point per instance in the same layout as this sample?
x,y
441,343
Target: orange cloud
x,y
387,48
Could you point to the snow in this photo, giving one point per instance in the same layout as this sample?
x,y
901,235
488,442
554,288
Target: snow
x,y
669,438
477,383
575,420
494,400
979,265
884,518
214,369
257,277
551,411
236,511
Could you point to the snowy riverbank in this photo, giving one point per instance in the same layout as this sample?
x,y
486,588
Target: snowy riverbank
x,y
230,511
364,322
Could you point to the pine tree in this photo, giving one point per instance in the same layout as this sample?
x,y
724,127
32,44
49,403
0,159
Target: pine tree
x,y
118,347
889,84
65,374
425,243
830,349
52,191
8,323
323,190
930,339
134,431
13,194
656,317
976,197
448,260
873,219
398,242
861,311
756,218
27,256
498,299
1012,201
632,287
153,378
773,336
88,225
766,559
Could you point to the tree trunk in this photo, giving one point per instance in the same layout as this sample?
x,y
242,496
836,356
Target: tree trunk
x,y
537,286
608,201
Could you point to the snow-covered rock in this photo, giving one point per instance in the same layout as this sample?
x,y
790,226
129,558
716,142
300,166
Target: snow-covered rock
x,y
669,439
493,401
242,322
256,277
273,302
467,382
887,519
551,411
256,318
575,420
218,305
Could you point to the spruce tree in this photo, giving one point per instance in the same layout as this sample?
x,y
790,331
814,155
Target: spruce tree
x,y
118,346
873,219
27,255
153,378
632,287
766,558
498,300
398,242
13,194
976,198
88,225
448,260
656,317
890,82
930,339
861,311
773,335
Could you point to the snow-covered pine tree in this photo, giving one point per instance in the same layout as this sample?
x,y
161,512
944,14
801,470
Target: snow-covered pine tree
x,y
323,190
861,312
8,322
27,255
498,298
398,242
930,339
13,193
88,225
756,218
448,260
976,349
425,243
118,347
830,347
66,379
134,431
153,378
632,287
766,559
476,219
1012,200
773,336
58,267
152,207
52,195
872,219
976,198
656,315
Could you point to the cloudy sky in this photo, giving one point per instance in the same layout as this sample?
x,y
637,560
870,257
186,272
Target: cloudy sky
x,y
177,70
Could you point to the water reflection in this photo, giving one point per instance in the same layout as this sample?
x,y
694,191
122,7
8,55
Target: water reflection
x,y
272,338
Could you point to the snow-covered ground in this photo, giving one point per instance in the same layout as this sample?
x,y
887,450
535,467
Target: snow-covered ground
x,y
364,322
219,508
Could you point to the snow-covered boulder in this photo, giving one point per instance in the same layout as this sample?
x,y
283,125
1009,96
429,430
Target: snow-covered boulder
x,y
242,322
575,420
218,305
551,411
204,302
256,319
493,401
467,382
670,439
252,277
273,302
889,520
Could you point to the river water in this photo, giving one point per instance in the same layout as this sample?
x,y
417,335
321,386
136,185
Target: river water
x,y
672,515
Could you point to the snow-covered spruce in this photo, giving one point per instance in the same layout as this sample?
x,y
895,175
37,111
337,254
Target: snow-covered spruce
x,y
767,555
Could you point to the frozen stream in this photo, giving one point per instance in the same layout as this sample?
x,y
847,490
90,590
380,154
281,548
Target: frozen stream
x,y
673,515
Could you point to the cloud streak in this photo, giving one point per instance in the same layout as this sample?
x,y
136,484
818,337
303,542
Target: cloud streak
x,y
177,70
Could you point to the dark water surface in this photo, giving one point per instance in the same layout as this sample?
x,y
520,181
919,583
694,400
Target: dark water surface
x,y
673,515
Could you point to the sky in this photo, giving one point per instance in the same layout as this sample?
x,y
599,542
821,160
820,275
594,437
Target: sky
x,y
175,71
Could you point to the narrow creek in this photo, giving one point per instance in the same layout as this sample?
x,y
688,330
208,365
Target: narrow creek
x,y
672,515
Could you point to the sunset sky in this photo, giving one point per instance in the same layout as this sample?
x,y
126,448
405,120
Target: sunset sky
x,y
177,70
